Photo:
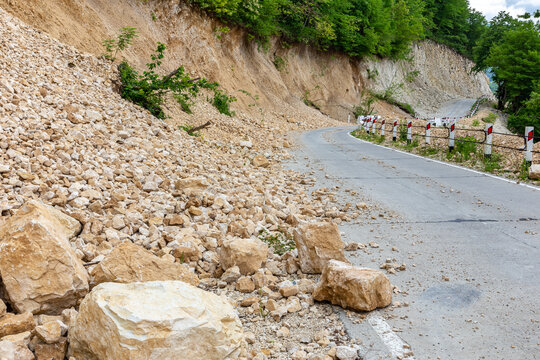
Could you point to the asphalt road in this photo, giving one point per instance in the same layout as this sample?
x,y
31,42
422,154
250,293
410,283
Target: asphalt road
x,y
470,242
455,108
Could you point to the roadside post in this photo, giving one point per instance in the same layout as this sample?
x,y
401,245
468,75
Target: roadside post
x,y
349,119
374,127
489,140
382,126
394,131
451,136
409,131
428,132
529,138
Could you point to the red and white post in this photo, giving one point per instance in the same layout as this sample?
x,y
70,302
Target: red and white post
x,y
529,138
451,137
374,128
394,131
489,140
409,131
383,121
428,132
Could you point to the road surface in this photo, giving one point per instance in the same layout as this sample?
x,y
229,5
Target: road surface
x,y
470,243
455,108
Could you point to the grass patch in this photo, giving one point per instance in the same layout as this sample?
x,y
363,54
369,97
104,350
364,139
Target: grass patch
x,y
490,118
278,241
493,163
524,170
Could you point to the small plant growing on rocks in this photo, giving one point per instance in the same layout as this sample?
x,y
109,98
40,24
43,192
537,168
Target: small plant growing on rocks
x,y
278,241
123,40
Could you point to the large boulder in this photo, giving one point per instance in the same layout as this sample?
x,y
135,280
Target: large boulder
x,y
534,172
155,320
352,287
247,254
131,263
317,243
39,269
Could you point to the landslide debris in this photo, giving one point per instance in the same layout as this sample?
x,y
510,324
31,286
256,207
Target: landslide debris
x,y
106,195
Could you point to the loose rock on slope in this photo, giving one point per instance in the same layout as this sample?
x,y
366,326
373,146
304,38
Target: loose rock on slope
x,y
39,270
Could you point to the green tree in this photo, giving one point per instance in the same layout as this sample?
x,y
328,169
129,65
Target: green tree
x,y
516,64
498,26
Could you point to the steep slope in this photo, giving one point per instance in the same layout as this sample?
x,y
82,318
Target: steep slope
x,y
68,140
331,80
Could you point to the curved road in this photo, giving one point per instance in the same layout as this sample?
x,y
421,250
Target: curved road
x,y
455,108
470,242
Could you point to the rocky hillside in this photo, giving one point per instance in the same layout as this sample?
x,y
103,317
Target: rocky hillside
x,y
279,77
121,237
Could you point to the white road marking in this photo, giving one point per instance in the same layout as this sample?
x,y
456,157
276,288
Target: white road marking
x,y
397,347
451,165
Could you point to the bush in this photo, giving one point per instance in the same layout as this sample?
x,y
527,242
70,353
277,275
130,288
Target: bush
x,y
222,102
490,119
148,90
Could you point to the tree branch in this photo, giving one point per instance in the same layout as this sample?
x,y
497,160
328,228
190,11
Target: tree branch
x,y
200,127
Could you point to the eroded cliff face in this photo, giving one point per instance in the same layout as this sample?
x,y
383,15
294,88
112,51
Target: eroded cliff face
x,y
330,80
435,74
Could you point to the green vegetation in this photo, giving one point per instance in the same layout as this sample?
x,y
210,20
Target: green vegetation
x,y
358,28
220,31
490,119
148,89
222,102
306,98
476,122
466,148
189,130
509,47
278,241
280,63
388,96
402,128
492,163
524,170
366,105
123,40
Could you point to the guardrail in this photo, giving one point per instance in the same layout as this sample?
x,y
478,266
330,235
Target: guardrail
x,y
373,123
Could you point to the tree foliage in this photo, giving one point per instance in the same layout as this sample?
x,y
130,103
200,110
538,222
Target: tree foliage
x,y
356,27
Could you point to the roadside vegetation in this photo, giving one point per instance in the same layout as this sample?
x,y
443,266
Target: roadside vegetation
x,y
467,152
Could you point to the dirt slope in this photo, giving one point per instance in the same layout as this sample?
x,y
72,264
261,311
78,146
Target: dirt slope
x,y
331,80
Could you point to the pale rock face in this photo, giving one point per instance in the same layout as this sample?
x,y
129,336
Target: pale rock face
x,y
353,288
247,254
130,263
15,351
40,271
155,320
317,243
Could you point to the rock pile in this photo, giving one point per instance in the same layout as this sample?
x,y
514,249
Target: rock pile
x,y
97,195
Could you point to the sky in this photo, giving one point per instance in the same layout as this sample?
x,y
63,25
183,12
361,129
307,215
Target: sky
x,y
490,8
